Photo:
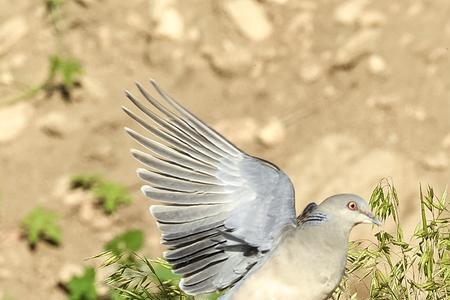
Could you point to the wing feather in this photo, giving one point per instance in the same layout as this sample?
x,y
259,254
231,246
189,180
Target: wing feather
x,y
175,143
182,214
161,166
165,181
171,155
176,241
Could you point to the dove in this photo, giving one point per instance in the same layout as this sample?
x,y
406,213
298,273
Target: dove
x,y
228,219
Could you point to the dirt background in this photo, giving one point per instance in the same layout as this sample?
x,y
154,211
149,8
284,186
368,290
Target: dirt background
x,y
337,93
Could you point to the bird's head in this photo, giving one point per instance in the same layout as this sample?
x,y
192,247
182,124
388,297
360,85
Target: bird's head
x,y
349,209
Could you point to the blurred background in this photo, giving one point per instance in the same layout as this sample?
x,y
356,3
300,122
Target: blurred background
x,y
339,94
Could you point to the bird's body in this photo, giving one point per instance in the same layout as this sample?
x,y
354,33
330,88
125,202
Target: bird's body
x,y
278,277
228,219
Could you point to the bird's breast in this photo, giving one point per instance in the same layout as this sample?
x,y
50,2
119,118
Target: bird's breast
x,y
298,280
301,267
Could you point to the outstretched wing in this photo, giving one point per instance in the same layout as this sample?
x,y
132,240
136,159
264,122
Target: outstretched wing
x,y
222,211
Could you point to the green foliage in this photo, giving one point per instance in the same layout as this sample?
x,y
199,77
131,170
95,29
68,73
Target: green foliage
x,y
64,71
164,272
84,181
115,295
142,279
126,243
109,194
7,297
83,287
112,195
41,223
398,268
53,5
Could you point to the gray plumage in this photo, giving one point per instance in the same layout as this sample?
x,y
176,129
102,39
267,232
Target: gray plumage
x,y
228,216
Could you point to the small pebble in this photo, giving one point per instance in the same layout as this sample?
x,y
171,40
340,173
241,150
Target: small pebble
x,y
101,222
376,65
169,21
329,92
439,53
416,112
415,9
310,72
372,18
436,162
231,61
54,124
272,134
250,17
13,120
6,78
362,43
76,197
446,141
87,211
347,12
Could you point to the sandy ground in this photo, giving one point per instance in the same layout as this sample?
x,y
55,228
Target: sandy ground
x,y
339,94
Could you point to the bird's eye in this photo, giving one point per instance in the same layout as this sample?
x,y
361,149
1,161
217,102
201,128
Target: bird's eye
x,y
352,205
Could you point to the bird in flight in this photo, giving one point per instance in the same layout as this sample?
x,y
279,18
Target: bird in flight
x,y
228,219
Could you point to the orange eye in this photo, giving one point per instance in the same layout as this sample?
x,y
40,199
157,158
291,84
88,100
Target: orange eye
x,y
352,205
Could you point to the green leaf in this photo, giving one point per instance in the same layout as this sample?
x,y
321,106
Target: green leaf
x,y
84,181
214,296
164,272
131,241
115,295
41,224
53,5
55,66
71,69
83,287
65,69
110,195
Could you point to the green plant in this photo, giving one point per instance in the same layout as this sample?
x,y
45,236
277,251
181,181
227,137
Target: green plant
x,y
84,181
115,295
395,267
53,5
83,287
109,194
126,243
41,223
64,70
6,296
144,279
64,73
